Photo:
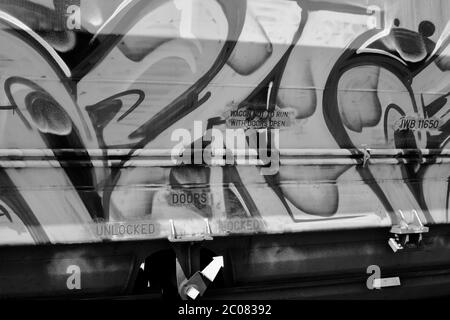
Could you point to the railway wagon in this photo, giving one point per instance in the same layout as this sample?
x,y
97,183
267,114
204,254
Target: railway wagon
x,y
224,148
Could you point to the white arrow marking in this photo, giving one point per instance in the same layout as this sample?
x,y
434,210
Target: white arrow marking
x,y
212,269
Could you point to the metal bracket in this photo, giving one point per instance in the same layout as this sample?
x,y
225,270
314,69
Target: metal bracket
x,y
193,287
414,227
366,157
407,232
197,284
174,237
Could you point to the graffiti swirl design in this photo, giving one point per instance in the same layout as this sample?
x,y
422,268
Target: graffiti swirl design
x,y
87,114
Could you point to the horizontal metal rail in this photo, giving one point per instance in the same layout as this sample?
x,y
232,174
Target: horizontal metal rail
x,y
219,152
243,162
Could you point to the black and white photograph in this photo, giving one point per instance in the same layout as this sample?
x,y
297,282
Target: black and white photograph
x,y
245,152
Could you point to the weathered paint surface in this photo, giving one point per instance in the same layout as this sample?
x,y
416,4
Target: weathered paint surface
x,y
87,116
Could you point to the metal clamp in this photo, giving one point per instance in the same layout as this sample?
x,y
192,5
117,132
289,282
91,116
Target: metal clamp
x,y
366,157
174,237
407,232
